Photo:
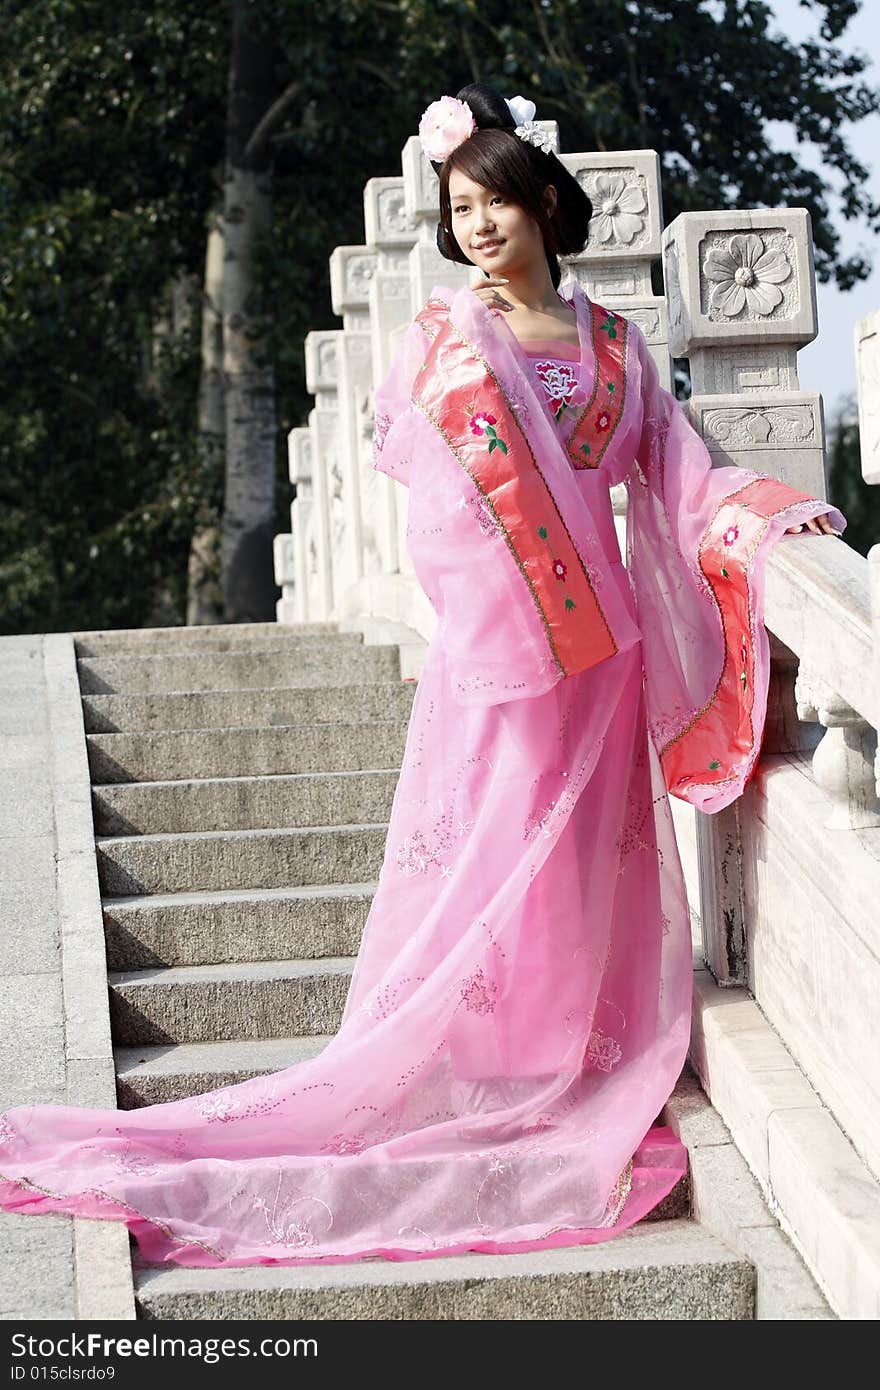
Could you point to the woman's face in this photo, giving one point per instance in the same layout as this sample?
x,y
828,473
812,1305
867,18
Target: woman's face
x,y
480,216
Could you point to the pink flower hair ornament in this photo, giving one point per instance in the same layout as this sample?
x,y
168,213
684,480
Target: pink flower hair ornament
x,y
448,122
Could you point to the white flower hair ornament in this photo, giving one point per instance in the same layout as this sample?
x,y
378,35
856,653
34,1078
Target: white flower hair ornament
x,y
448,122
527,128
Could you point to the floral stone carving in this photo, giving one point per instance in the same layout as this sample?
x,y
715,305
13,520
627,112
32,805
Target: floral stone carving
x,y
620,204
746,276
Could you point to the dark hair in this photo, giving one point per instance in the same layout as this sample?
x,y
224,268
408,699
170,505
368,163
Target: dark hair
x,y
495,157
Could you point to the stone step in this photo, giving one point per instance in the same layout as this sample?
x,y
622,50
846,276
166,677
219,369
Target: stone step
x,y
215,1003
226,709
656,1271
243,803
298,648
170,929
214,860
177,755
204,637
151,1074
321,663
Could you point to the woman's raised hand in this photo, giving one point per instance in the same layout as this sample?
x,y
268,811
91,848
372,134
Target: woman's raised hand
x,y
489,294
819,524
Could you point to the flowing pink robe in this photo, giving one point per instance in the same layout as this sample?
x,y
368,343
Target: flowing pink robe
x,y
520,1006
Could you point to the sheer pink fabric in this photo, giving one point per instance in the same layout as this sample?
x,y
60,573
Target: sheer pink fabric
x,y
519,1010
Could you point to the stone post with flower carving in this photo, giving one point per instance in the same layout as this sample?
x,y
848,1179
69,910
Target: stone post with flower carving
x,y
321,353
624,241
351,269
300,449
391,234
295,558
740,292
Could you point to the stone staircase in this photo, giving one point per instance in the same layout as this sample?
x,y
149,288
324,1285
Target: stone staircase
x,y
242,780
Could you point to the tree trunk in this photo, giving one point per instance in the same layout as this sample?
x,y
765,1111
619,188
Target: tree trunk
x,y
249,591
204,599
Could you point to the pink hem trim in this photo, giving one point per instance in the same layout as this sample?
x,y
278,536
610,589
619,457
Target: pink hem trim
x,y
654,1175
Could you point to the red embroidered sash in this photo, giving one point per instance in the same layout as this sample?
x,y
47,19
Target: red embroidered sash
x,y
719,741
595,425
459,393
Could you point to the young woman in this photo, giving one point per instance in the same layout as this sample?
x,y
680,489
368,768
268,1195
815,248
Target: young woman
x,y
520,1006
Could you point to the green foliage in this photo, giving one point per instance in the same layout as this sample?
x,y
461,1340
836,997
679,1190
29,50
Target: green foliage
x,y
112,122
104,114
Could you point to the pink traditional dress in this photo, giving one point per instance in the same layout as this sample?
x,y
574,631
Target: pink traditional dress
x,y
519,1010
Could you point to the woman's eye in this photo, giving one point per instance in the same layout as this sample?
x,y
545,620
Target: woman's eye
x,y
462,207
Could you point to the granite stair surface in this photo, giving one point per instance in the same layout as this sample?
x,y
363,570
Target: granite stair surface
x,y
242,782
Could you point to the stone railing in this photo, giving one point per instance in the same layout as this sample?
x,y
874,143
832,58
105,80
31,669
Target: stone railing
x,y
786,881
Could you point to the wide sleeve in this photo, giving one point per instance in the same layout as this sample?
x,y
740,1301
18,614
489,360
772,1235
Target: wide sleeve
x,y
391,400
697,540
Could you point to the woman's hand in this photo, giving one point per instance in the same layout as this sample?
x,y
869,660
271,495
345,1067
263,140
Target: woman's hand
x,y
819,524
489,294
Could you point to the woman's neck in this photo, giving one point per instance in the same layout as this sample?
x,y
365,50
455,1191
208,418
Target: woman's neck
x,y
531,291
559,322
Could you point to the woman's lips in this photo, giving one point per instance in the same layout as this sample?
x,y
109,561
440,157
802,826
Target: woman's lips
x,y
490,250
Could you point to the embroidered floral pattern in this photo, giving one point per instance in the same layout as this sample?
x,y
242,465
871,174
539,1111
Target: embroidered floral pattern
x,y
381,426
598,421
603,1051
485,516
558,379
484,424
296,1233
539,824
128,1162
217,1106
480,423
345,1144
479,993
459,415
559,569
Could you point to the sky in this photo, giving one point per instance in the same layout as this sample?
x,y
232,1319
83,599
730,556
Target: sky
x,y
828,363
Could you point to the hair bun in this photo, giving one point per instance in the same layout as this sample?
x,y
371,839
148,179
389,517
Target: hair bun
x,y
520,171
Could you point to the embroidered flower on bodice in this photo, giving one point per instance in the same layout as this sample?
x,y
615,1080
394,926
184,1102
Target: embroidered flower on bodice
x,y
558,379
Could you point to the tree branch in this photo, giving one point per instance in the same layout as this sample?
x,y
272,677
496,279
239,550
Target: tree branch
x,y
269,120
374,70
